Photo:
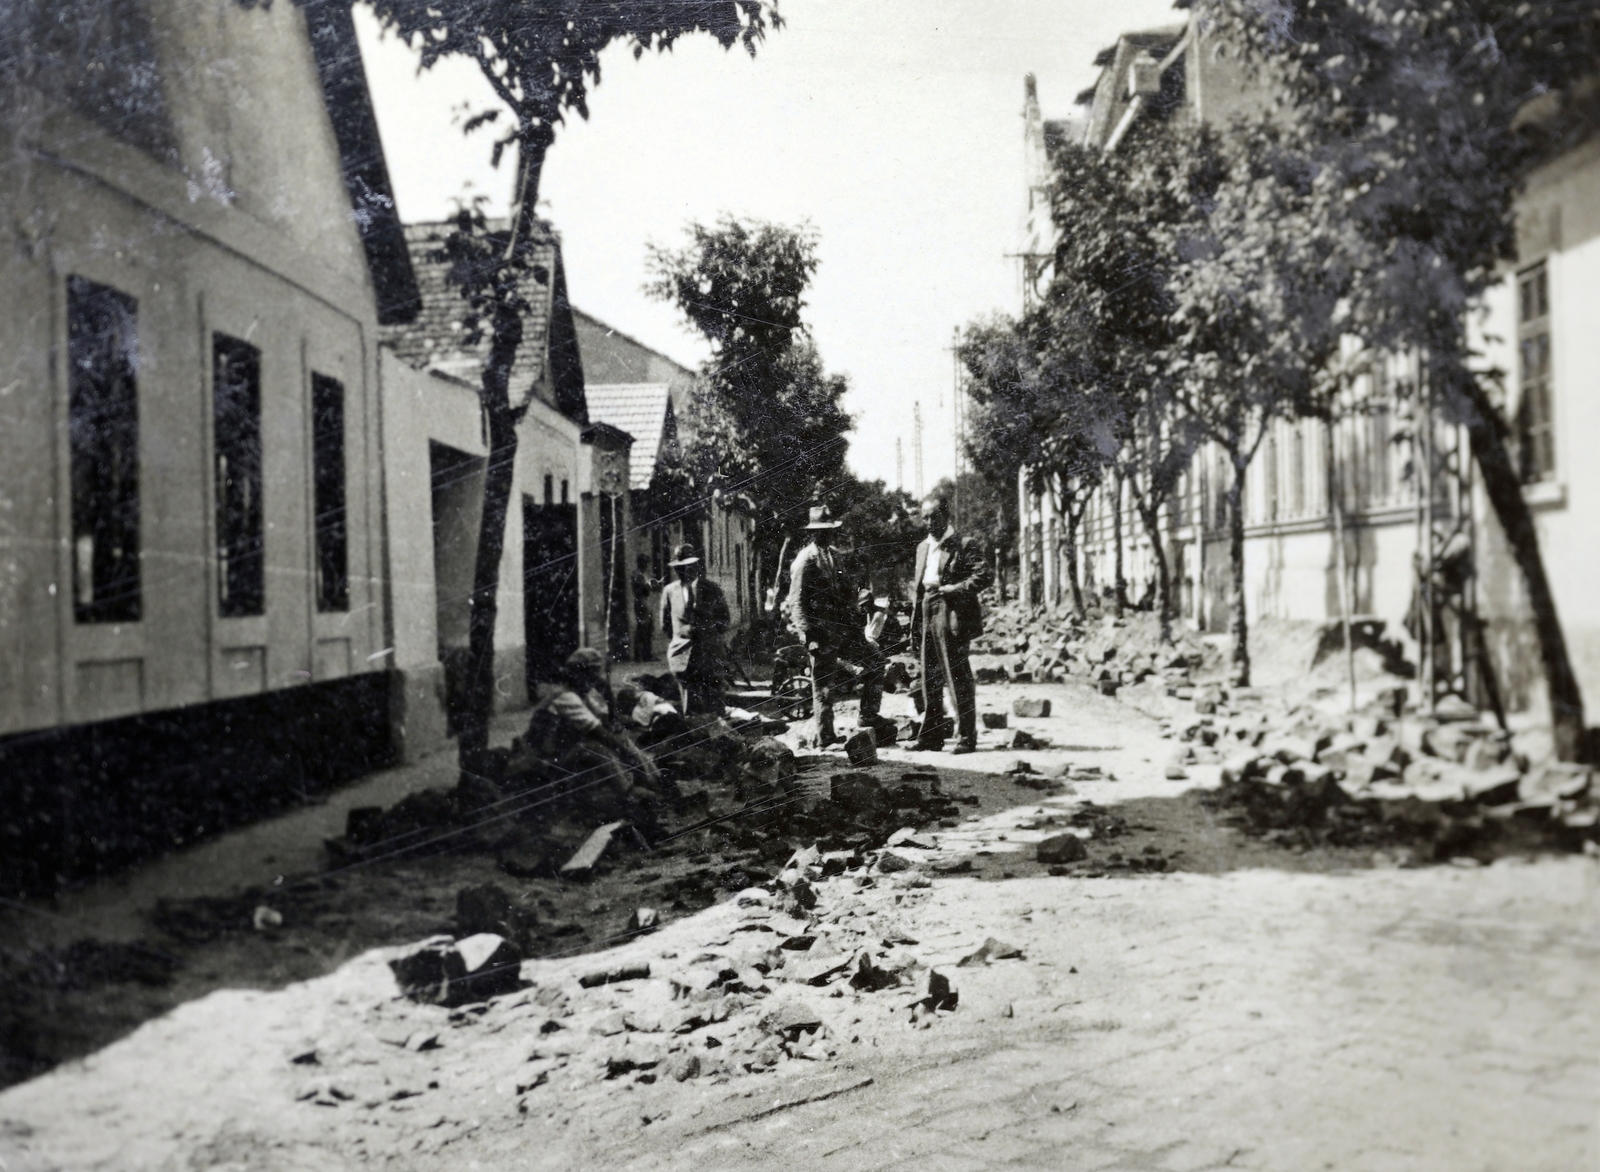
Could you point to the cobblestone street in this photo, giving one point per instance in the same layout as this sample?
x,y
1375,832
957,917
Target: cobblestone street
x,y
1269,1015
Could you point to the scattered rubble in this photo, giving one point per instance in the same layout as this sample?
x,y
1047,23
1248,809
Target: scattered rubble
x,y
442,971
583,862
1061,848
990,950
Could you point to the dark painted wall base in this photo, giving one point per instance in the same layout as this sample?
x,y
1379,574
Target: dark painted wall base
x,y
85,800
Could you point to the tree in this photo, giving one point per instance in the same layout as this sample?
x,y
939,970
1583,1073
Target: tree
x,y
1112,299
540,59
766,424
882,527
1258,288
1419,110
1031,410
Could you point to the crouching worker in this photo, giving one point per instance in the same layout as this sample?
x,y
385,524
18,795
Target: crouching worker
x,y
577,732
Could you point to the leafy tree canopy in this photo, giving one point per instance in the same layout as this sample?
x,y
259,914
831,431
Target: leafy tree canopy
x,y
766,422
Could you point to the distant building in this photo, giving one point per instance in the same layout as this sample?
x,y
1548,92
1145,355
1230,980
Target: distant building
x,y
645,393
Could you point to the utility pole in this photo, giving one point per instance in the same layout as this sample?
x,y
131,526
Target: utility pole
x,y
899,466
916,444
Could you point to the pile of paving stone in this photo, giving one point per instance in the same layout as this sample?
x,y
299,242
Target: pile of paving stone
x,y
1445,784
1028,644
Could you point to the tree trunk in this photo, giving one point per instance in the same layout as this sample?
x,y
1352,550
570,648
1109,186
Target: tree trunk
x,y
1072,561
1152,526
1119,583
479,690
1335,489
1239,625
1504,489
505,338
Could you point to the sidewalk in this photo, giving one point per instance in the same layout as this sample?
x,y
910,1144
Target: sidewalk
x,y
287,845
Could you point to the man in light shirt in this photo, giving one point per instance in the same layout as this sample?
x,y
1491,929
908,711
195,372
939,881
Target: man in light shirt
x,y
951,571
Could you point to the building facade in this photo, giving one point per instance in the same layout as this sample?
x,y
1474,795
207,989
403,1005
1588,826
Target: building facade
x,y
1402,477
563,566
193,621
647,394
1538,332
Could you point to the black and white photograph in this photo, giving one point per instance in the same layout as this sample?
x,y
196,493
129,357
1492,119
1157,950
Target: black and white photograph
x,y
699,585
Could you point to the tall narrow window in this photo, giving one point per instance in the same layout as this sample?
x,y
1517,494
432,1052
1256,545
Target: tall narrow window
x,y
1535,422
236,404
103,430
1297,472
1269,469
1378,445
327,462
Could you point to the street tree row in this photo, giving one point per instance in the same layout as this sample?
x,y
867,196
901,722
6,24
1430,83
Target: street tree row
x,y
1207,283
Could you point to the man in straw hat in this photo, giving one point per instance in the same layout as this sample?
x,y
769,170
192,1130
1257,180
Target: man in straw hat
x,y
951,572
823,609
694,619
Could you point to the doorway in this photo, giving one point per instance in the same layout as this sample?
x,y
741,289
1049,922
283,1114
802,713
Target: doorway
x,y
549,588
456,481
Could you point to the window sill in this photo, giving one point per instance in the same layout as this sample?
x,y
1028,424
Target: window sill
x,y
1545,494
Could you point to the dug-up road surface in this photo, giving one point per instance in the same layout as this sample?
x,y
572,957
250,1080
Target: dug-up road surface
x,y
1256,1016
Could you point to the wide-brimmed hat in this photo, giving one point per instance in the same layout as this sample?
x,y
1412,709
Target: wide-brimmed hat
x,y
684,555
822,518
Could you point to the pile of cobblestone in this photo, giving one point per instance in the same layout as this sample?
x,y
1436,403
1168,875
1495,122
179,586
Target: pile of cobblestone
x,y
1445,785
1028,644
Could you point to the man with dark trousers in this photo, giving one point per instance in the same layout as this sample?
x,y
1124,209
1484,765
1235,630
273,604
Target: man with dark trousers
x,y
694,619
945,618
822,607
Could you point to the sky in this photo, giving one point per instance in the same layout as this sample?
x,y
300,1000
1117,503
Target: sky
x,y
894,128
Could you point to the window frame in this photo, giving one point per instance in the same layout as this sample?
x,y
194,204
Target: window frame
x,y
103,453
1535,420
238,463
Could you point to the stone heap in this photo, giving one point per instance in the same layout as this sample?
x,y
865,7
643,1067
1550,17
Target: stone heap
x,y
1444,785
1025,645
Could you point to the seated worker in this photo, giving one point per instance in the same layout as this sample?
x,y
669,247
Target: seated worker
x,y
575,731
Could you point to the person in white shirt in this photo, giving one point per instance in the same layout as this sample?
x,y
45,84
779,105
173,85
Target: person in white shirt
x,y
951,572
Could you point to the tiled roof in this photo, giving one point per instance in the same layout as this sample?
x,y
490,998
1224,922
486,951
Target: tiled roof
x,y
611,356
641,410
433,340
